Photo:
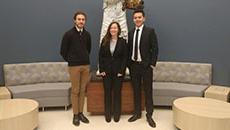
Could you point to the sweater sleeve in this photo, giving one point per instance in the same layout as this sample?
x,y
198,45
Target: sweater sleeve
x,y
101,59
89,43
64,47
154,47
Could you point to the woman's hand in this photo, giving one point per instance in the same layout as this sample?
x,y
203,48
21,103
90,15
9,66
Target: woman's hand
x,y
103,74
119,75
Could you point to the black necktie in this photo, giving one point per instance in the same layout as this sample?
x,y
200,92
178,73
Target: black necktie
x,y
136,45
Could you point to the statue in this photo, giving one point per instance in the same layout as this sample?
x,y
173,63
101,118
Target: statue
x,y
113,11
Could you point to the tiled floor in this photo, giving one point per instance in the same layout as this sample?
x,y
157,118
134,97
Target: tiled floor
x,y
58,119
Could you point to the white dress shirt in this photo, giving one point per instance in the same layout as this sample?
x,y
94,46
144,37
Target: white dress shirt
x,y
78,29
112,46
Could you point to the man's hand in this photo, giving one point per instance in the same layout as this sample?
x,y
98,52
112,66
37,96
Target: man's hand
x,y
152,66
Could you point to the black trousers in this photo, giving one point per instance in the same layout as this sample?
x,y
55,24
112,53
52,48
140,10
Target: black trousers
x,y
112,92
142,75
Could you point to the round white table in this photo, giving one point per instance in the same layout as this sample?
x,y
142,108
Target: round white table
x,y
18,114
197,113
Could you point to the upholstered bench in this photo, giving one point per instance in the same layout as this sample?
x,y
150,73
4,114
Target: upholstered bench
x,y
46,82
173,80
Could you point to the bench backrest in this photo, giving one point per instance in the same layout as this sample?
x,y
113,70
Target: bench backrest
x,y
183,72
30,73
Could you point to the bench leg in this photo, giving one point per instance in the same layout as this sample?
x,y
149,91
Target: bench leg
x,y
66,108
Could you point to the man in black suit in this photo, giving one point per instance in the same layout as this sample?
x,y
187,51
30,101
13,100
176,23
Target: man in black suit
x,y
143,52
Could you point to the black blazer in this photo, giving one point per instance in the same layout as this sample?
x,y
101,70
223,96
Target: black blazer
x,y
148,46
115,63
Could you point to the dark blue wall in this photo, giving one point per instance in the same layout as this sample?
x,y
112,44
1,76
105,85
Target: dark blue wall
x,y
188,30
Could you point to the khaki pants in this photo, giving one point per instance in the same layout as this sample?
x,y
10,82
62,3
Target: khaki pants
x,y
79,77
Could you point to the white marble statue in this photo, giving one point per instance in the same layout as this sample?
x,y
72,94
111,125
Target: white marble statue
x,y
113,12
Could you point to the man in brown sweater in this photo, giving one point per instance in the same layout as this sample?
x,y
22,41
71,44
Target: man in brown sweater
x,y
75,49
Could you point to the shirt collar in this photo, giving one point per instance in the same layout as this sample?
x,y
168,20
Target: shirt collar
x,y
141,27
78,29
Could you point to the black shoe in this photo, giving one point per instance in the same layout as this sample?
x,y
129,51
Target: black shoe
x,y
134,118
151,122
116,118
83,118
76,120
108,119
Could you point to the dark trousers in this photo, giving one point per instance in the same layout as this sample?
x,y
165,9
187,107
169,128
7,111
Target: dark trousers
x,y
112,83
142,76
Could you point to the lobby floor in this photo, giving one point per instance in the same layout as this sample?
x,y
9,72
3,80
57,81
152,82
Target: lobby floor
x,y
59,119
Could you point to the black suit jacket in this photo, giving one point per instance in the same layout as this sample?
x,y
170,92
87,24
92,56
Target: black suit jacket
x,y
115,63
148,46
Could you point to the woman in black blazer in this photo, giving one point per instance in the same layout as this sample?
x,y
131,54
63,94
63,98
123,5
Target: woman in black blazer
x,y
112,64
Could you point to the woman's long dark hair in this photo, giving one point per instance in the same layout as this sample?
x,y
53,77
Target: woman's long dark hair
x,y
106,39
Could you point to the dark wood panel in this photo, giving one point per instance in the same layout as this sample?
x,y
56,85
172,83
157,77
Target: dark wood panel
x,y
95,98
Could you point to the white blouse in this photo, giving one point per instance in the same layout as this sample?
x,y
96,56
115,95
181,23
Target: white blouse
x,y
112,46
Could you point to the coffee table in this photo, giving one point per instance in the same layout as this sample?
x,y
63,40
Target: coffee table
x,y
18,114
197,113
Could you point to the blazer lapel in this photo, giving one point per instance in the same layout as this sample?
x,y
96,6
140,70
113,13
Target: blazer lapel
x,y
142,35
142,39
131,39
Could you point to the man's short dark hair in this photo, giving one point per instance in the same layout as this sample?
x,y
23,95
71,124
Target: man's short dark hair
x,y
139,11
79,13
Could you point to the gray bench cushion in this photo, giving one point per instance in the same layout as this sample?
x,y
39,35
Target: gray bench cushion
x,y
41,90
178,89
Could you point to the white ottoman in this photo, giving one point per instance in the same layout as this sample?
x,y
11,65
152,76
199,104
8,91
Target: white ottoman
x,y
4,93
197,113
18,114
218,92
